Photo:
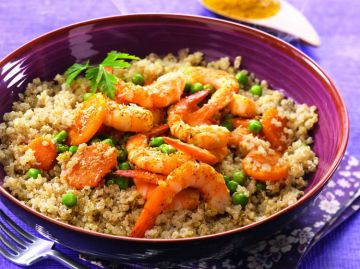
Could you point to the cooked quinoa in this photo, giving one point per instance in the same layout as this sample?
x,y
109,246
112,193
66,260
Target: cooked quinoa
x,y
46,108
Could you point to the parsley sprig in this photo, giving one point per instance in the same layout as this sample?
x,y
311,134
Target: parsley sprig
x,y
101,79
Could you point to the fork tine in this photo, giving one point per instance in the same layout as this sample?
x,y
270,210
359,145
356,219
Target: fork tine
x,y
9,245
12,224
6,254
9,233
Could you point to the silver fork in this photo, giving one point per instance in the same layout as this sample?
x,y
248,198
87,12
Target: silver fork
x,y
25,249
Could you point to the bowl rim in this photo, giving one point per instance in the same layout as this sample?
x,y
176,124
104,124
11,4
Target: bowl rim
x,y
270,40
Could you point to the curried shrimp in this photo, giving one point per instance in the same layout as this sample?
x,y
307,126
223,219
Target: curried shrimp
x,y
242,106
146,183
204,136
237,135
224,83
166,90
191,174
151,159
159,115
128,118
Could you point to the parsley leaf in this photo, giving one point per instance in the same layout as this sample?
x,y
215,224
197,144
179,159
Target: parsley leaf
x,y
100,78
116,59
107,83
73,71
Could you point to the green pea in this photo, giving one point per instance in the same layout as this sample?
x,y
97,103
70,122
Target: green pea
x,y
165,148
138,79
239,198
156,141
87,96
196,87
255,126
122,182
124,166
210,87
260,186
122,154
69,199
110,182
256,90
242,77
227,178
62,148
227,124
33,172
232,185
187,87
61,136
239,177
109,142
73,149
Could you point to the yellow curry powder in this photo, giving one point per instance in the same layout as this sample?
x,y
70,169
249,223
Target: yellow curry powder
x,y
249,9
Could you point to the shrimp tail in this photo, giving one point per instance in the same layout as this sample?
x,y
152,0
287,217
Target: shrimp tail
x,y
197,153
201,115
160,199
157,130
191,101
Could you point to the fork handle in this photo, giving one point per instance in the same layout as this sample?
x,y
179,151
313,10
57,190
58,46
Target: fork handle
x,y
64,260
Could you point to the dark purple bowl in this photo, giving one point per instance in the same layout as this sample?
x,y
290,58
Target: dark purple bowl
x,y
282,65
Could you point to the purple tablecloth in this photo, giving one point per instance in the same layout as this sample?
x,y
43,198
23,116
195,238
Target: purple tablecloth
x,y
337,23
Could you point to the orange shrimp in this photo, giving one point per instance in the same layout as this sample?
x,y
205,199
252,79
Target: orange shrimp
x,y
166,90
197,153
146,183
128,118
220,153
236,122
203,136
237,135
242,106
157,130
159,115
187,199
264,166
200,176
151,159
224,83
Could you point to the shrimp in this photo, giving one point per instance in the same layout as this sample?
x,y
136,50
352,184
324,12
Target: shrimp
x,y
151,159
128,118
220,153
146,183
159,115
166,90
237,135
203,136
191,174
224,83
197,153
186,199
242,106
